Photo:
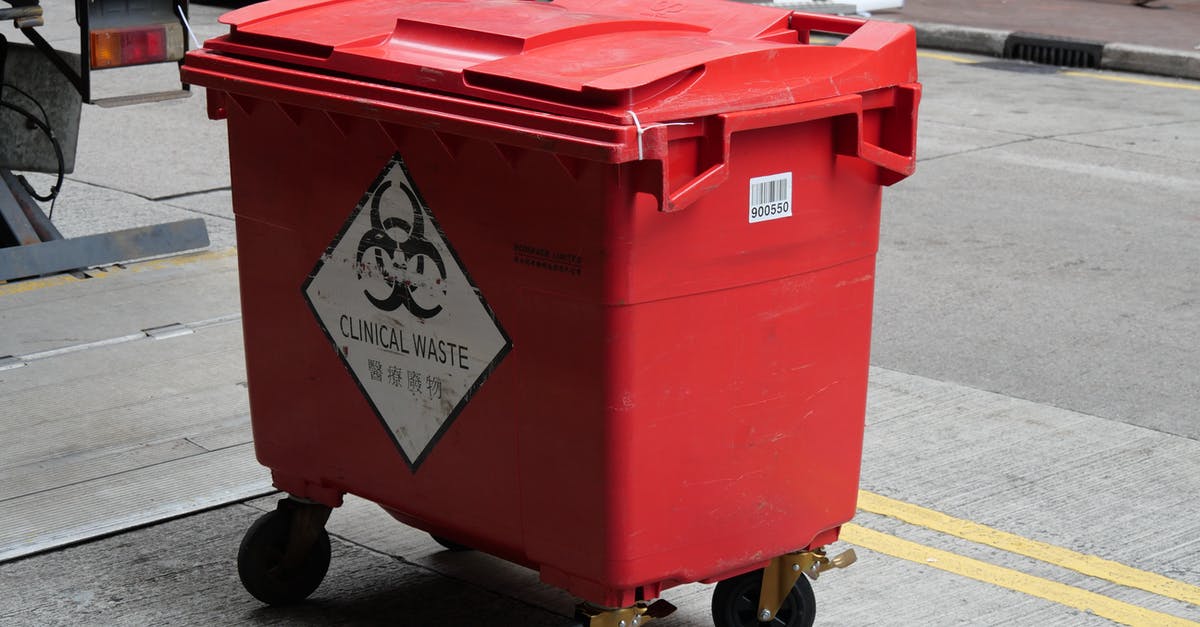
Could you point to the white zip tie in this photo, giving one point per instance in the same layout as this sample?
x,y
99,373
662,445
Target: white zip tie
x,y
641,130
188,27
638,124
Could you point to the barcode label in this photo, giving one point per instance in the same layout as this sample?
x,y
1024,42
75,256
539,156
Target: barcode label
x,y
771,197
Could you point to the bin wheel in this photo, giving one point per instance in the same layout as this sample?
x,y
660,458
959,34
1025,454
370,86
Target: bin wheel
x,y
735,603
450,545
260,561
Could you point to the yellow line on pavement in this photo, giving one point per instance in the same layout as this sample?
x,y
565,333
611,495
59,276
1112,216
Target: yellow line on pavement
x,y
182,260
1135,81
924,54
19,287
35,284
1039,587
975,532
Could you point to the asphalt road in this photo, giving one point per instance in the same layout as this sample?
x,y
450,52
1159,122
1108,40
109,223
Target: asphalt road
x,y
1047,248
1035,353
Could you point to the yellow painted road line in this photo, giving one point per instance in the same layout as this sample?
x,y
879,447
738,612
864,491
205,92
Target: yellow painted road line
x,y
1135,81
19,287
36,284
944,57
1090,565
182,260
1053,591
925,54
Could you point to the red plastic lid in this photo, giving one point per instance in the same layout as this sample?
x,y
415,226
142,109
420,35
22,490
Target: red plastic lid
x,y
594,59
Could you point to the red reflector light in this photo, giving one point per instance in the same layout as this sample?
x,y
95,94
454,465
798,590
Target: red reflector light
x,y
153,43
143,46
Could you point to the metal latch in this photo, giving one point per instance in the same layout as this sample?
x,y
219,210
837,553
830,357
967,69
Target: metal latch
x,y
635,616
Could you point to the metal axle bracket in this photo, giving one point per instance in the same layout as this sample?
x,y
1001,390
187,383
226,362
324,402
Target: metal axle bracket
x,y
308,519
782,573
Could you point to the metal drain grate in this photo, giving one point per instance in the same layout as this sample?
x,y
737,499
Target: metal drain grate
x,y
1053,50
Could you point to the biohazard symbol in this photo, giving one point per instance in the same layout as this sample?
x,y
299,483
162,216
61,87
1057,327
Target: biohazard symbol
x,y
404,276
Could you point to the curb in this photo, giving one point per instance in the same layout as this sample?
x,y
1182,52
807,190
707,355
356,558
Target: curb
x,y
1113,56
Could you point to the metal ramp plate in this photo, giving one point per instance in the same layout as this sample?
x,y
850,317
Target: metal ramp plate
x,y
118,409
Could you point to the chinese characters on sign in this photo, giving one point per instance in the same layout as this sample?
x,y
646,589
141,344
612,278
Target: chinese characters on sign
x,y
419,384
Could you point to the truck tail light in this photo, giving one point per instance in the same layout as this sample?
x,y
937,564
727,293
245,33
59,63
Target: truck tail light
x,y
151,43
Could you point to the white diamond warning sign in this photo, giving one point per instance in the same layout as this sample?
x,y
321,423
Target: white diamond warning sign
x,y
411,327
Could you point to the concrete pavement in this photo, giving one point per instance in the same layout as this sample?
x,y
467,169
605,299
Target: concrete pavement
x,y
1035,337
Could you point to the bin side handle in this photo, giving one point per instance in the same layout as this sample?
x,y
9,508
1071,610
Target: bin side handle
x,y
696,188
895,155
730,123
849,139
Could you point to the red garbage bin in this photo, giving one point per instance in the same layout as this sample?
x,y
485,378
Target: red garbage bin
x,y
583,284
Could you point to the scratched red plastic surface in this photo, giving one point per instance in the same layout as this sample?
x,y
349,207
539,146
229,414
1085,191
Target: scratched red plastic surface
x,y
685,399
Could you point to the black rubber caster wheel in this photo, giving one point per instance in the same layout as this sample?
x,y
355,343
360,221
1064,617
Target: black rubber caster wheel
x,y
450,545
260,561
735,603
